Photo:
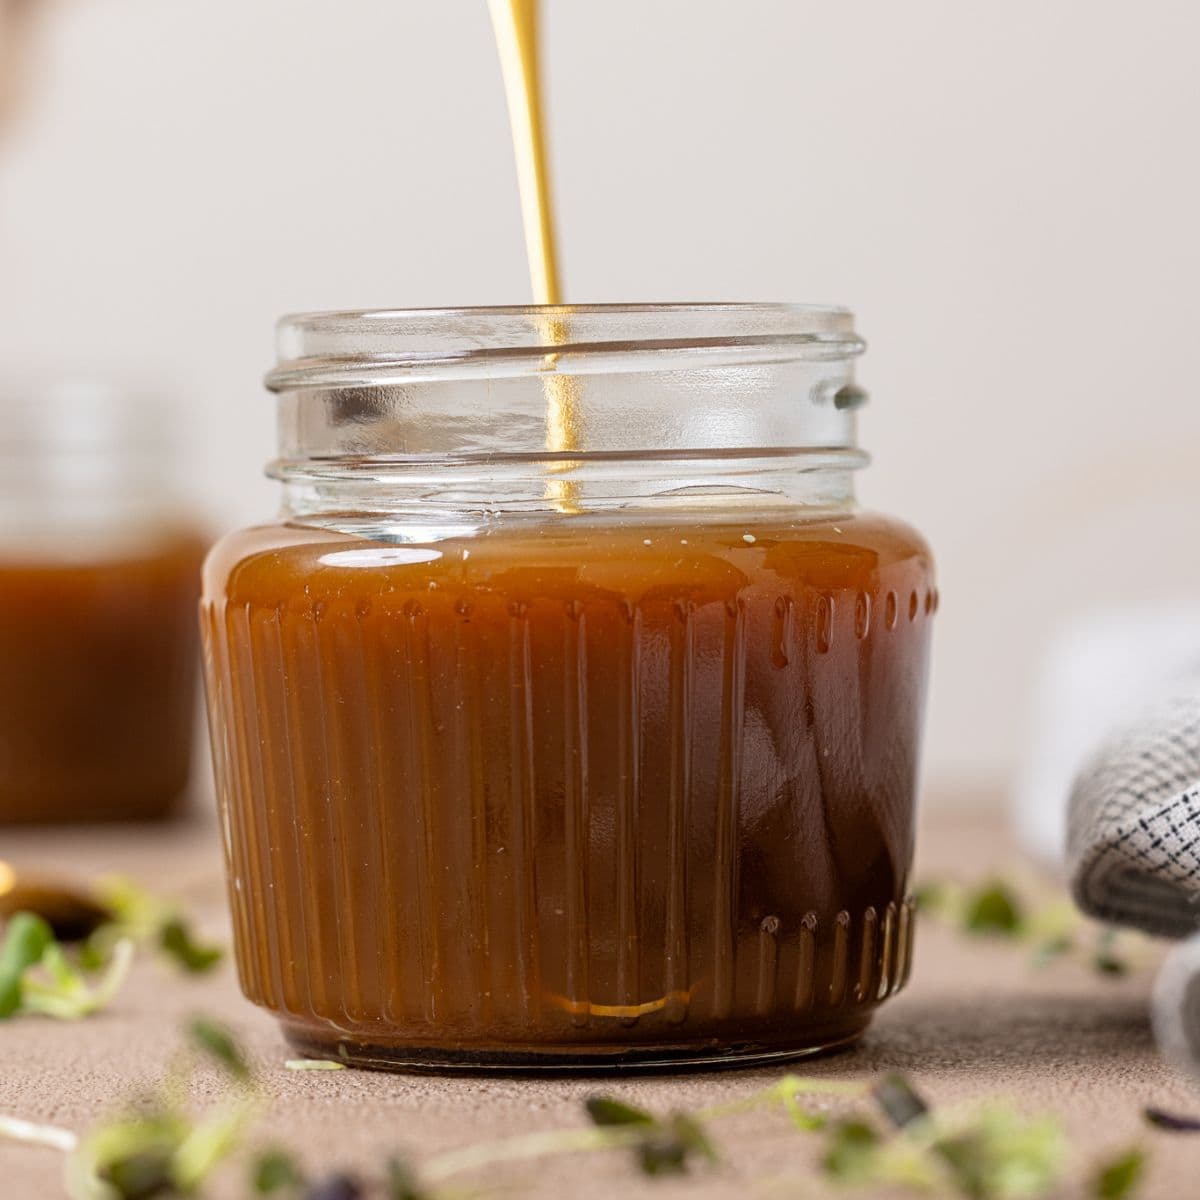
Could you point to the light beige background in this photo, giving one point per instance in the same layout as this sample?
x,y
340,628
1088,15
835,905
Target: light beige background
x,y
1007,194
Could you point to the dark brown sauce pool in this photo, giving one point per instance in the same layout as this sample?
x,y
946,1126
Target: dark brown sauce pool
x,y
98,665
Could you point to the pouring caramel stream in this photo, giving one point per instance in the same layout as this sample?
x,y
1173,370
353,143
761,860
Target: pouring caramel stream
x,y
516,27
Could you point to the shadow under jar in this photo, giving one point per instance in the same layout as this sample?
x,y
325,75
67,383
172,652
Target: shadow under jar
x,y
569,716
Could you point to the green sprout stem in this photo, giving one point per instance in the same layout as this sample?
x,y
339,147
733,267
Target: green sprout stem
x,y
786,1092
568,1141
54,1136
211,1140
530,1145
65,995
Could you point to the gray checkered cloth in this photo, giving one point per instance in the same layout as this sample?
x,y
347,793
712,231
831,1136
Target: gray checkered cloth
x,y
1133,837
1133,846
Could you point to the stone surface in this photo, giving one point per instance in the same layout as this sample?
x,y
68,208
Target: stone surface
x,y
977,1020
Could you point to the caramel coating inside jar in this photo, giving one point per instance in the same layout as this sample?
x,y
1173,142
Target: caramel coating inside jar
x,y
578,793
98,666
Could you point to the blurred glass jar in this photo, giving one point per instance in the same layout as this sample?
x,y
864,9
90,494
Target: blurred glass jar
x,y
99,567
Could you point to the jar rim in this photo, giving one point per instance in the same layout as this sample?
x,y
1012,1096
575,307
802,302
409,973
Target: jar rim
x,y
359,347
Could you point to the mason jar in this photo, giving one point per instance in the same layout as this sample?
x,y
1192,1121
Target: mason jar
x,y
99,579
568,713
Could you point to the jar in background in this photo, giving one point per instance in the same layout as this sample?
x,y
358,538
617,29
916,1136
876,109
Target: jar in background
x,y
99,578
569,714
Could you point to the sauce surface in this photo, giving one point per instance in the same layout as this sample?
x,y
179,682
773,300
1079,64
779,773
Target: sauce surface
x,y
571,792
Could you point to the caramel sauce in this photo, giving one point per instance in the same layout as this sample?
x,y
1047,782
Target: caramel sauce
x,y
97,680
586,792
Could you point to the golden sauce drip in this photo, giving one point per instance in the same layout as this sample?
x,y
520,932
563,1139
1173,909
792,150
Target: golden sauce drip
x,y
516,26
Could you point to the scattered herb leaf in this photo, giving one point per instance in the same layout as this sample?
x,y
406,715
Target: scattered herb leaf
x,y
604,1110
992,1153
140,1176
313,1064
55,987
1002,1154
160,1149
667,1145
27,937
37,977
275,1170
208,1142
1120,1177
216,1041
177,942
1052,929
1106,960
692,1137
401,1182
930,896
853,1152
994,908
147,920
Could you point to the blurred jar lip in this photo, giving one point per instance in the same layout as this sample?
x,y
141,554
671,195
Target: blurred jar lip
x,y
365,347
81,414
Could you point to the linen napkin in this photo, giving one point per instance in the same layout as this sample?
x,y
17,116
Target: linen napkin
x,y
1133,835
1133,843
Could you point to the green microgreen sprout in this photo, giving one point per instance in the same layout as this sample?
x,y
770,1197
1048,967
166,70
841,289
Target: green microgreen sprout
x,y
147,920
1051,927
16,1129
883,1135
666,1144
26,939
994,908
38,978
220,1045
274,1171
160,1148
985,1153
401,1182
1119,1178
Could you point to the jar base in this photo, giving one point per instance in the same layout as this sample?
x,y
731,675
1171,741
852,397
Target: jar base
x,y
533,1060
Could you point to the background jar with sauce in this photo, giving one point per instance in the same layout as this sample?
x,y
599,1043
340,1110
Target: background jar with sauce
x,y
99,578
569,714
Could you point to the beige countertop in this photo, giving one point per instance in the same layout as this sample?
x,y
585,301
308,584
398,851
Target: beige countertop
x,y
977,1020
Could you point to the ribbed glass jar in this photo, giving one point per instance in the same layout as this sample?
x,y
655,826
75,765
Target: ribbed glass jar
x,y
568,716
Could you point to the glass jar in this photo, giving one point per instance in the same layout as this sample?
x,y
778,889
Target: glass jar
x,y
99,581
569,714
